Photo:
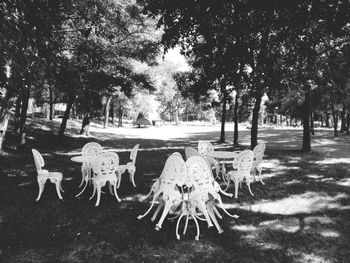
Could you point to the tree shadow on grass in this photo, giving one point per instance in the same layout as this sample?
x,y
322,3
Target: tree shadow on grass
x,y
300,214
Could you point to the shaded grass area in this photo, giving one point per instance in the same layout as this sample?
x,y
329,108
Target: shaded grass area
x,y
301,214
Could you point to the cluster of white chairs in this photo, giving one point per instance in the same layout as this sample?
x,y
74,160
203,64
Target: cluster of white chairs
x,y
187,189
184,188
102,168
246,166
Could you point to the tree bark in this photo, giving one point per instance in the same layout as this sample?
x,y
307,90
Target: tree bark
x,y
65,117
335,119
223,117
347,123
112,112
24,108
235,119
255,119
4,120
85,127
306,121
343,120
108,103
17,113
327,120
120,116
51,104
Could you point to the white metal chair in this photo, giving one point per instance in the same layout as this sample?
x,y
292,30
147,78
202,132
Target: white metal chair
x,y
204,147
90,150
165,189
243,165
130,166
105,170
258,157
205,191
44,175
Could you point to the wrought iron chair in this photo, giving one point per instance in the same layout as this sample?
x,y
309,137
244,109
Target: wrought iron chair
x,y
44,175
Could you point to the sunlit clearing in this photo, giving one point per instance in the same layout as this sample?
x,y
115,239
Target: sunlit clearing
x,y
293,182
290,225
329,233
314,176
344,182
24,184
318,220
304,203
334,160
271,163
303,257
68,179
244,228
137,197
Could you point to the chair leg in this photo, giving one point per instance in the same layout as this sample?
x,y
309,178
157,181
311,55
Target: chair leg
x,y
186,224
150,208
177,226
160,206
98,189
86,183
228,183
201,206
41,189
166,210
260,179
132,171
119,176
236,181
57,183
213,218
83,174
115,192
248,184
61,189
110,188
93,190
196,222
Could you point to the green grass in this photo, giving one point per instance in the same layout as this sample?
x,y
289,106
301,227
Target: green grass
x,y
301,214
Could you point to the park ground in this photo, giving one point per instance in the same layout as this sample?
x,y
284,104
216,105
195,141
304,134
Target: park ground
x,y
301,214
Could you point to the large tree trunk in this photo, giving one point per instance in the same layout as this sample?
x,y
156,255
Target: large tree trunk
x,y
17,116
120,116
343,119
335,119
85,127
223,117
24,108
306,122
347,123
312,127
108,103
112,112
65,117
327,120
255,119
4,120
235,119
51,104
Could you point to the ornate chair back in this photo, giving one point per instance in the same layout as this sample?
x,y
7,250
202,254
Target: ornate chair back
x,y
190,151
106,165
133,153
38,160
243,162
204,147
258,154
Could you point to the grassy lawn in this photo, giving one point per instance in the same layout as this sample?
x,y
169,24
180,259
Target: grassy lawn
x,y
301,214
